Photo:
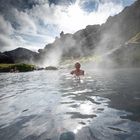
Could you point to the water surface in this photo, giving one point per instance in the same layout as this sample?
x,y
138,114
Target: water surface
x,y
42,105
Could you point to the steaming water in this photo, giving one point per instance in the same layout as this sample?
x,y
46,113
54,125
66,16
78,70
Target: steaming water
x,y
42,105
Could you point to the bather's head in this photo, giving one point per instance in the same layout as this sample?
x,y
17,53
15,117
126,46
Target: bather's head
x,y
77,65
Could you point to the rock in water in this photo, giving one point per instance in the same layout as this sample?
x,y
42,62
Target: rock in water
x,y
51,68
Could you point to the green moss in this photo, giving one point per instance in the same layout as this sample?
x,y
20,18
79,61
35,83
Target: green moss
x,y
135,39
16,67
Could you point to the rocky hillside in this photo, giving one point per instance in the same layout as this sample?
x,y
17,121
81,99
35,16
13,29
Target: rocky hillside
x,y
21,55
128,54
120,33
5,59
116,32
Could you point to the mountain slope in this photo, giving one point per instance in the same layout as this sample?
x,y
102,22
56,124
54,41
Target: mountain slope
x,y
21,55
114,41
99,39
5,59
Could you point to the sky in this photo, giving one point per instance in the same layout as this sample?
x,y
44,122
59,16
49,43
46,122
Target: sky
x,y
34,23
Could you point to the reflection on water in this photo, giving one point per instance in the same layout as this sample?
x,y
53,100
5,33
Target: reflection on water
x,y
51,105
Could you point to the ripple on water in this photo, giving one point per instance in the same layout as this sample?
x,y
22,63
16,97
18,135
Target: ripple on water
x,y
43,105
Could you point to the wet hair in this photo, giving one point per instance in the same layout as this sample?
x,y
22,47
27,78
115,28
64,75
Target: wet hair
x,y
77,64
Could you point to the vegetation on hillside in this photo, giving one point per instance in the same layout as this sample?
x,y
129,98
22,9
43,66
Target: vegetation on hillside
x,y
135,39
16,67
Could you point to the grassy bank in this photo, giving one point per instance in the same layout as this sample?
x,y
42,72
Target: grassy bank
x,y
16,67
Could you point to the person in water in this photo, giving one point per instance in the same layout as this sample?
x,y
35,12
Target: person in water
x,y
77,72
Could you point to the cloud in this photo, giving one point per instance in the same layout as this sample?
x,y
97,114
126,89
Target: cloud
x,y
5,42
6,31
39,21
72,18
24,21
5,26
